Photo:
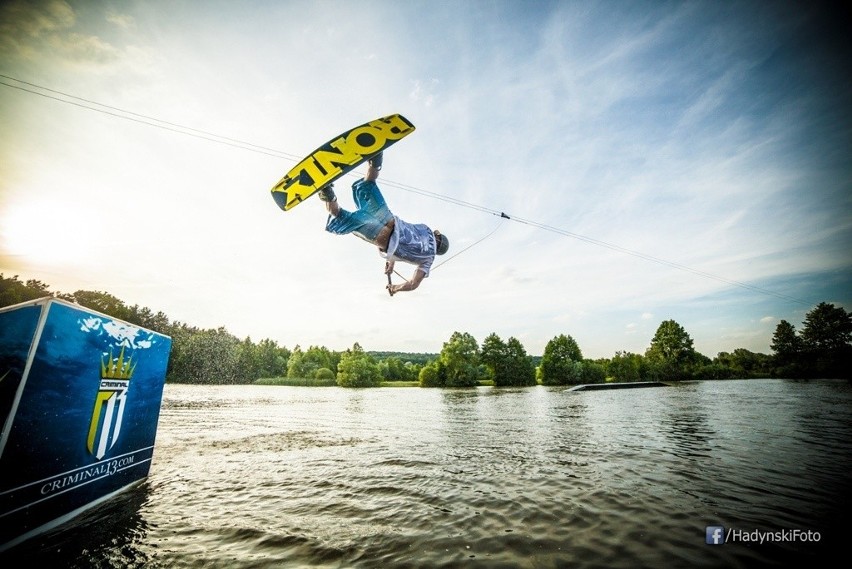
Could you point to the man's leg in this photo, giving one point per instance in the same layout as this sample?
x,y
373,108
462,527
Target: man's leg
x,y
369,199
372,213
326,194
362,222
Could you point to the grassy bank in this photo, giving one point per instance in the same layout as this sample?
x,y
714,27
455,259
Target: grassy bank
x,y
303,382
297,382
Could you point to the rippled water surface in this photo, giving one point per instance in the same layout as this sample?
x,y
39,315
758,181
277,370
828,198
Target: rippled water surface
x,y
252,476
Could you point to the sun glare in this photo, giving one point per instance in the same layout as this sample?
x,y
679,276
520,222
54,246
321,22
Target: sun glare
x,y
46,234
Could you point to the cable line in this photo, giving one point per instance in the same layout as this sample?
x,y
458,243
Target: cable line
x,y
475,243
251,147
145,119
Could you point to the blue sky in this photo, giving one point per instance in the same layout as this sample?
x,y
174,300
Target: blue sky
x,y
660,160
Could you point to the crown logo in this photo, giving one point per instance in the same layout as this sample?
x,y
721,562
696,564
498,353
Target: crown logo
x,y
117,368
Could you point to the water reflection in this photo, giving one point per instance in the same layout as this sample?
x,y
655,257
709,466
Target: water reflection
x,y
531,477
687,425
104,536
355,403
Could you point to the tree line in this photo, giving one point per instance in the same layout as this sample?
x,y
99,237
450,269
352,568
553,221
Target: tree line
x,y
823,348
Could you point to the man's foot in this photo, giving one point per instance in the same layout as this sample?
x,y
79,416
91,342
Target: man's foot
x,y
326,194
376,161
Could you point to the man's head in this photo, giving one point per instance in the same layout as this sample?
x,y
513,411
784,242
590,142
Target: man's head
x,y
441,242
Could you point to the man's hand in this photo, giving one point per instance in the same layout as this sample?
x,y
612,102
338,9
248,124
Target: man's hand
x,y
389,267
415,281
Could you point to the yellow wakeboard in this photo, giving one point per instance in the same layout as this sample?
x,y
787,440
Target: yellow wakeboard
x,y
337,157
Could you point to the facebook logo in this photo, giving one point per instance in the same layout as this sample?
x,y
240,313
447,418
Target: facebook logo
x,y
715,535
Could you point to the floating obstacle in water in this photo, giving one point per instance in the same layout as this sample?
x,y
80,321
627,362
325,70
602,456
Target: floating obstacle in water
x,y
624,385
80,396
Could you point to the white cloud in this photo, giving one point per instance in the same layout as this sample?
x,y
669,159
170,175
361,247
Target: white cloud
x,y
121,20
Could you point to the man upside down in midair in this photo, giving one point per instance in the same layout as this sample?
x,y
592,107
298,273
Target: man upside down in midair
x,y
396,239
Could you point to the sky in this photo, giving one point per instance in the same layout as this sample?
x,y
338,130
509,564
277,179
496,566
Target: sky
x,y
684,161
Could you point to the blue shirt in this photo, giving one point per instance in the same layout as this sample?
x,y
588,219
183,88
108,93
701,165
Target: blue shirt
x,y
412,243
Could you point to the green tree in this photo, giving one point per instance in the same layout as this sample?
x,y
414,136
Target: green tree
x,y
827,340
325,374
394,369
786,344
827,328
178,368
431,375
206,356
507,363
146,318
105,303
13,291
671,353
494,355
412,370
459,361
271,359
740,363
592,372
304,364
624,366
521,370
248,365
320,356
358,369
298,367
713,370
562,362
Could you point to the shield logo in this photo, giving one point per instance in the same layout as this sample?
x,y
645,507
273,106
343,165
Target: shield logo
x,y
105,426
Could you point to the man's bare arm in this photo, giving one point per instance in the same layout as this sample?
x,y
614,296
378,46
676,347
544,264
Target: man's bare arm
x,y
412,284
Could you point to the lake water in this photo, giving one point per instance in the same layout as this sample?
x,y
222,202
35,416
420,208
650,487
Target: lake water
x,y
262,476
